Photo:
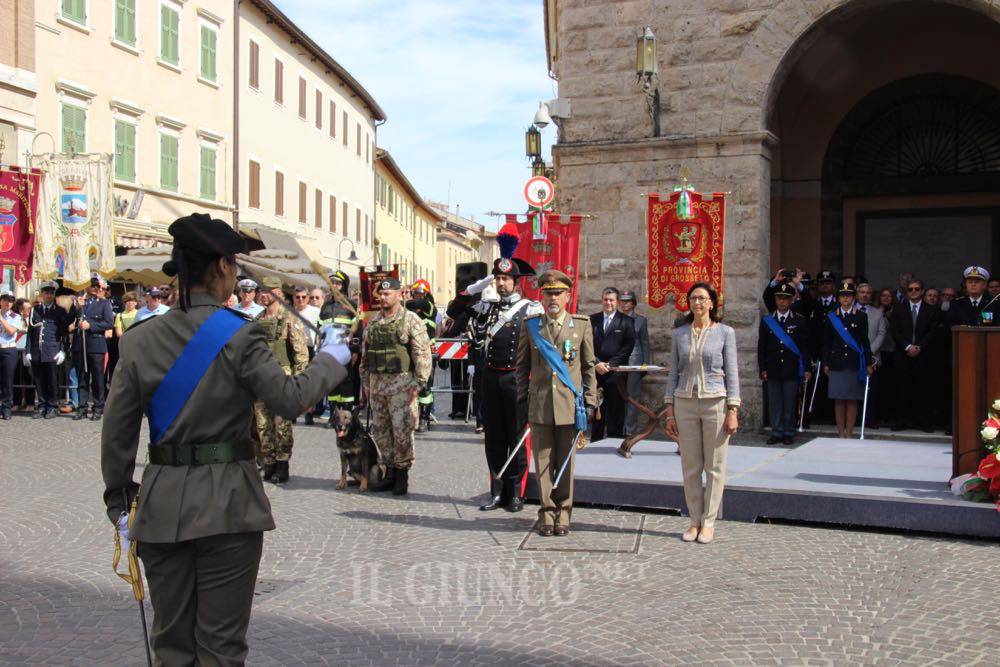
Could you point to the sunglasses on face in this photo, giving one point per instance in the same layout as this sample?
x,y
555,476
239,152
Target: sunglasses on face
x,y
912,289
301,298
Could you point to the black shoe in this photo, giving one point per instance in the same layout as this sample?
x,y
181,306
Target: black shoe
x,y
494,504
422,426
80,414
5,414
39,414
281,472
947,431
400,486
455,415
309,419
898,426
516,504
96,415
773,440
50,413
788,440
269,472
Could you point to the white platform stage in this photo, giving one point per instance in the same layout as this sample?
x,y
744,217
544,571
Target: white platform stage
x,y
875,483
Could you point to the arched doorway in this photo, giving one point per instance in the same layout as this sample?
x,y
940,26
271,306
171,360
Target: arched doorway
x,y
909,175
888,153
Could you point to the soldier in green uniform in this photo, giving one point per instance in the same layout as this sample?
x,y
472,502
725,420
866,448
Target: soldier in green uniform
x,y
196,372
287,339
336,313
550,406
395,368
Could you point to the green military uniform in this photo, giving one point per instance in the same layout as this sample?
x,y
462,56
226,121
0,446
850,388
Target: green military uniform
x,y
396,358
550,406
199,525
287,339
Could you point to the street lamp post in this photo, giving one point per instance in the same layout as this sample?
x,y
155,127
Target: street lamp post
x,y
353,257
646,74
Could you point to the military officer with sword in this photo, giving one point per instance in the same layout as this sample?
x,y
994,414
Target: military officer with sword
x,y
557,391
194,372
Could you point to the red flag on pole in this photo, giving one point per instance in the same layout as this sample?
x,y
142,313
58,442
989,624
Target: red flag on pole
x,y
18,210
558,249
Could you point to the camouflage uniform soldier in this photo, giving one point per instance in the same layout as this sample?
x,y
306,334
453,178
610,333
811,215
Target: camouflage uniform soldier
x,y
395,367
287,340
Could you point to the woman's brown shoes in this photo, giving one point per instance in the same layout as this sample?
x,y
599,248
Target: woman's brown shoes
x,y
690,535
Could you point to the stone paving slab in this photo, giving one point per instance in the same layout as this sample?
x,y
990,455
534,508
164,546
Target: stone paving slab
x,y
370,579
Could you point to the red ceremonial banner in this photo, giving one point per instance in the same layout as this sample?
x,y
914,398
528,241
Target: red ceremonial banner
x,y
557,247
684,251
18,207
368,280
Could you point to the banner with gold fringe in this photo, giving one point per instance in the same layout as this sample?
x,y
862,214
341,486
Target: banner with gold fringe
x,y
686,233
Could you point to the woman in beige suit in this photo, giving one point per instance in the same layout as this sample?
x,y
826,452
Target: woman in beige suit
x,y
703,395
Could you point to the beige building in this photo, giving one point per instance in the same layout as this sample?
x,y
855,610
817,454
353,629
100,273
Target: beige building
x,y
18,81
855,136
306,140
460,240
148,82
406,227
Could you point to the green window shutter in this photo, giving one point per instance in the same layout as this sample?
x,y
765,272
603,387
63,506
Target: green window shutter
x,y
124,151
75,10
168,162
125,21
169,35
208,53
207,173
74,129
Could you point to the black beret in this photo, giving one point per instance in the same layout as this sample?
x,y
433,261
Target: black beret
x,y
389,283
199,231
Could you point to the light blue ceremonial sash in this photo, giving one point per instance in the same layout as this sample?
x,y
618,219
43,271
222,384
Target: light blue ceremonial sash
x,y
189,368
786,340
848,339
555,361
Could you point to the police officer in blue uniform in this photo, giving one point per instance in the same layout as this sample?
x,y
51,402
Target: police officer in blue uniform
x,y
89,346
783,369
46,350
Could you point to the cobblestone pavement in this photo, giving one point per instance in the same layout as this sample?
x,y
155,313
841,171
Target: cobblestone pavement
x,y
352,579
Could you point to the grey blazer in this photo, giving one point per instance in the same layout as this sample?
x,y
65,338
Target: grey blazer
x,y
878,330
718,372
640,353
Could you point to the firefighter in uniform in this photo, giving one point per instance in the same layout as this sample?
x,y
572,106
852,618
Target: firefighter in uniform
x,y
551,407
287,339
422,303
395,368
337,314
498,327
201,509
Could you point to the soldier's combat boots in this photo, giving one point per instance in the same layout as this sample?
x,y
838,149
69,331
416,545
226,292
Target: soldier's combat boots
x,y
281,472
269,472
401,485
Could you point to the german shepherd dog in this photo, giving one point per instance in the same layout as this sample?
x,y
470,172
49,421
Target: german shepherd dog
x,y
358,454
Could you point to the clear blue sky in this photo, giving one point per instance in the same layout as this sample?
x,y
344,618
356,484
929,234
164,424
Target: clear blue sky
x,y
459,80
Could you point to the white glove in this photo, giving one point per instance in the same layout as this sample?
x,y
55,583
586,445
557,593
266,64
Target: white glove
x,y
60,357
479,285
123,531
472,371
27,358
490,295
333,341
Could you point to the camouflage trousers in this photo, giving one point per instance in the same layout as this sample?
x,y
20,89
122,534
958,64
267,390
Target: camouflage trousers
x,y
274,434
394,417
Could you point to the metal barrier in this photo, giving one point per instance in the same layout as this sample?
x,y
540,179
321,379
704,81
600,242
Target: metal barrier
x,y
453,351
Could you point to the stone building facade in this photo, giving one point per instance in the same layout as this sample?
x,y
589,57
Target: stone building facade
x,y
859,136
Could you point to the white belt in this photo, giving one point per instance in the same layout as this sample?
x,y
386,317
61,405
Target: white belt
x,y
8,346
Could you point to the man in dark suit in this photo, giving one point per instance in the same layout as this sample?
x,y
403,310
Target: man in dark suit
x,y
640,356
913,326
614,337
779,365
46,337
87,326
825,302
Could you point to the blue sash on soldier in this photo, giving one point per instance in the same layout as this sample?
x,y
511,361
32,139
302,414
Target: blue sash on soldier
x,y
786,340
848,339
189,368
555,361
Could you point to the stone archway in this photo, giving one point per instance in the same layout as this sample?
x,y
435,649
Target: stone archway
x,y
834,71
